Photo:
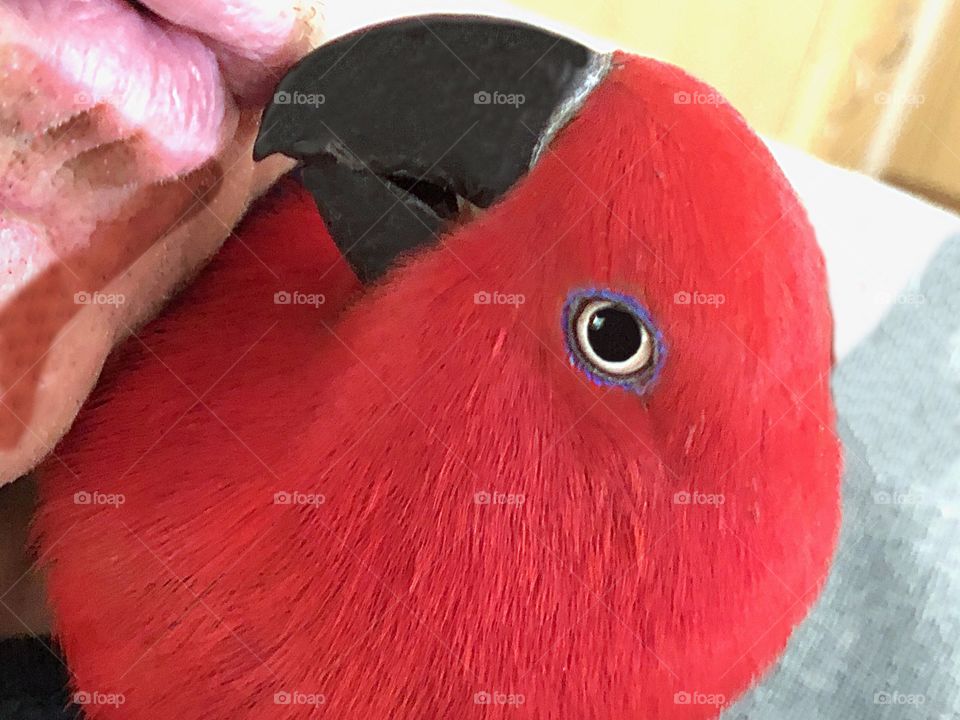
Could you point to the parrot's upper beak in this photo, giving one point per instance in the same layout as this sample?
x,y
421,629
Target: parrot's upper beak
x,y
397,124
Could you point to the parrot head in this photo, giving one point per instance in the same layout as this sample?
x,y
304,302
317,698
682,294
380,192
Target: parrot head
x,y
570,452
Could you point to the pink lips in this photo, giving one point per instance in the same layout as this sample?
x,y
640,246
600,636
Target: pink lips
x,y
168,78
100,99
159,82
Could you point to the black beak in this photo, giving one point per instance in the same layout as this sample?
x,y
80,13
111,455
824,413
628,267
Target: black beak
x,y
397,124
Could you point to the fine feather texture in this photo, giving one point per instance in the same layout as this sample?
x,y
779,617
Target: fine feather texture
x,y
471,528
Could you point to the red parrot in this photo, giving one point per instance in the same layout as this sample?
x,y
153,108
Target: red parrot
x,y
573,458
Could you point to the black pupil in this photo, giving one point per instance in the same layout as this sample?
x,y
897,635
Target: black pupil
x,y
614,334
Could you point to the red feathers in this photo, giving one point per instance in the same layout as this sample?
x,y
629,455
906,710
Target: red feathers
x,y
301,522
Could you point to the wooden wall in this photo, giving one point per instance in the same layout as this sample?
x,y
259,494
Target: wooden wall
x,y
867,84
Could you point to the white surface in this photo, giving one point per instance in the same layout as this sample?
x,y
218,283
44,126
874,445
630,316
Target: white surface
x,y
876,239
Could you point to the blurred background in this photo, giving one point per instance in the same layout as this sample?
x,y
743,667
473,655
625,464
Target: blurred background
x,y
872,85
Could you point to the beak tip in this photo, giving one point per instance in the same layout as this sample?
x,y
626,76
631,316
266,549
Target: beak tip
x,y
261,151
269,135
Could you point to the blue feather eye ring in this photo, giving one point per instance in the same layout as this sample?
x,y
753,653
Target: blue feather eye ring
x,y
612,339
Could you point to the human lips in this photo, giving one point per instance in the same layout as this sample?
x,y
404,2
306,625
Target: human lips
x,y
161,81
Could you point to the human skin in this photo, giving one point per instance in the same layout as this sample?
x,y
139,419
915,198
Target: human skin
x,y
126,132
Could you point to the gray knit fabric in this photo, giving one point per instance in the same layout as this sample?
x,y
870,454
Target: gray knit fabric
x,y
884,639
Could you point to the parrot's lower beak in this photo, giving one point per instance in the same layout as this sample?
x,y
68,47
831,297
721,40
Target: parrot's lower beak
x,y
397,125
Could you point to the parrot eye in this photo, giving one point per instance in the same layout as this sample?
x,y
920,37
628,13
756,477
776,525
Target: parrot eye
x,y
611,337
